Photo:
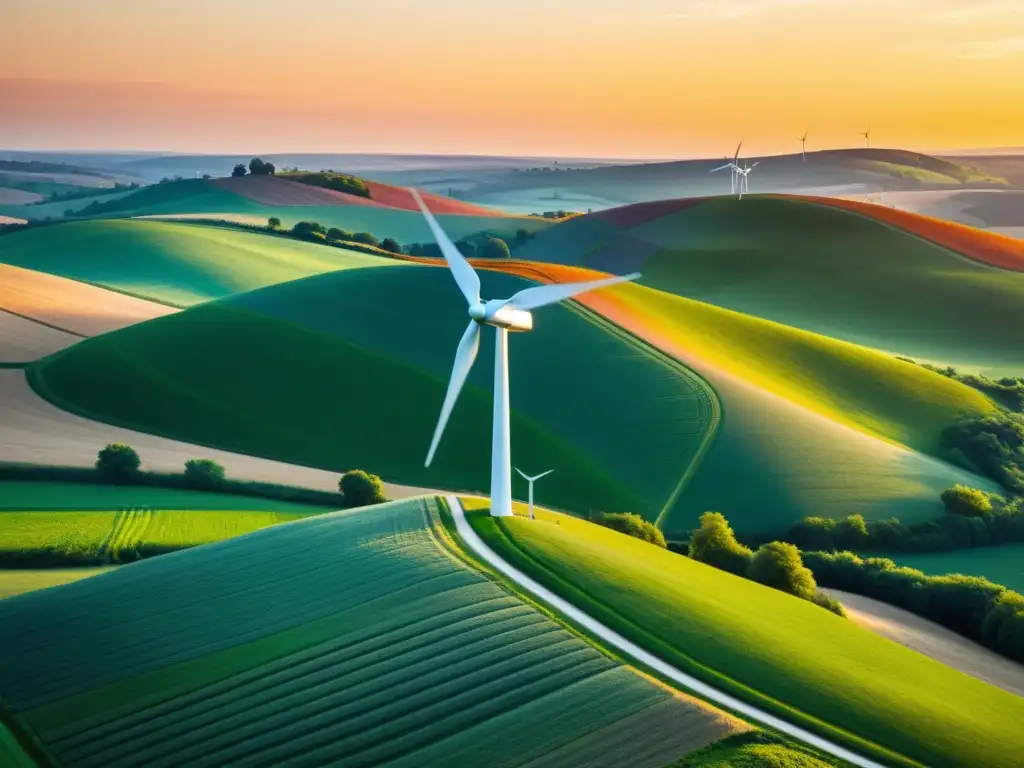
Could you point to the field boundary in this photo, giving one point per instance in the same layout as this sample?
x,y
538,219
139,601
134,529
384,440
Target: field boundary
x,y
51,326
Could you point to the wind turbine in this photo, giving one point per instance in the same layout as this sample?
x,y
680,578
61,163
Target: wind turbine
x,y
504,315
803,146
531,481
733,164
744,177
867,137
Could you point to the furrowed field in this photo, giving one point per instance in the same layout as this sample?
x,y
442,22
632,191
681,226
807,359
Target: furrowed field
x,y
779,652
353,637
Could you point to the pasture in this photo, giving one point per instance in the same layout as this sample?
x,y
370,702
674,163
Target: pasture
x,y
776,651
176,264
327,372
389,650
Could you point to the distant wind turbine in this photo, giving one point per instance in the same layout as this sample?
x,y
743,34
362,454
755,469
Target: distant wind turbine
x,y
743,175
531,481
735,169
504,315
867,137
803,146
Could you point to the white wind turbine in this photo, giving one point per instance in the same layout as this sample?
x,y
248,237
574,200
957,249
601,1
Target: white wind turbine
x,y
867,137
504,315
803,146
735,169
743,176
531,481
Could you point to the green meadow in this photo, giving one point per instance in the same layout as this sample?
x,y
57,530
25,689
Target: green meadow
x,y
776,651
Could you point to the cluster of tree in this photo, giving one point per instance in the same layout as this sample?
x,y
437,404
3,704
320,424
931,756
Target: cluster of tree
x,y
257,167
339,182
1009,390
484,246
973,519
991,445
312,230
777,564
557,214
989,613
78,194
632,525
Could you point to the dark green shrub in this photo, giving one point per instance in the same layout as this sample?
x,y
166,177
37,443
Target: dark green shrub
x,y
391,245
715,543
334,233
828,603
632,525
366,238
274,223
778,565
968,502
239,170
361,488
117,463
493,248
204,474
309,230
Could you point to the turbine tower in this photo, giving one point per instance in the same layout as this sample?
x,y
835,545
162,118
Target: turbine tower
x,y
735,169
867,137
531,481
803,146
504,315
744,177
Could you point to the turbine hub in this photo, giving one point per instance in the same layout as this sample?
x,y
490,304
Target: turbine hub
x,y
478,311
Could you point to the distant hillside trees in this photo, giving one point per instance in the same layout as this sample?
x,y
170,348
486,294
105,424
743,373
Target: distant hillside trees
x,y
339,182
239,170
482,247
274,223
259,168
778,565
715,543
366,238
992,445
494,248
309,230
968,502
204,474
335,233
390,244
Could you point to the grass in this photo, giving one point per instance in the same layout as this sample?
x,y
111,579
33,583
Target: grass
x,y
776,651
327,372
755,750
11,753
18,581
1003,564
173,263
353,637
819,268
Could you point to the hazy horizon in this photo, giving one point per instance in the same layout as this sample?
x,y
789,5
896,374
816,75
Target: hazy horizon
x,y
642,80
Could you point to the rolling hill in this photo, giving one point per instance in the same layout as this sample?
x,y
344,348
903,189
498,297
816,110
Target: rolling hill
x,y
176,264
355,637
349,369
815,265
774,650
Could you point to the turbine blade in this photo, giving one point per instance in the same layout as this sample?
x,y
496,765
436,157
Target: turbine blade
x,y
523,474
721,167
543,474
465,356
543,295
738,146
465,276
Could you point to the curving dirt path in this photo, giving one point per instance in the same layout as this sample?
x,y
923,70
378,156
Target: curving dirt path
x,y
933,640
33,431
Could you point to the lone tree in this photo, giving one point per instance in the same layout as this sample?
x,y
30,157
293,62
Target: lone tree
x,y
117,462
715,543
391,245
361,488
494,248
239,170
274,223
779,565
204,474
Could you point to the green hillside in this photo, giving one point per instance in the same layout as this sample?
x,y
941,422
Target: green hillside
x,y
350,368
774,650
354,638
822,269
177,264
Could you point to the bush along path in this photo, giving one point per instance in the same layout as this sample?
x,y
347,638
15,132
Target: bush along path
x,y
615,640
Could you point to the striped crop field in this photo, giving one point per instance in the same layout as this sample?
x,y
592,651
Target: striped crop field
x,y
355,638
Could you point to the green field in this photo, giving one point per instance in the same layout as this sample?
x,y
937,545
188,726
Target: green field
x,y
1002,565
32,495
17,581
777,651
823,269
353,638
179,264
349,369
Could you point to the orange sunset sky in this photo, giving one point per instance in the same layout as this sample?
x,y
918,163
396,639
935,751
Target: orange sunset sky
x,y
585,78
